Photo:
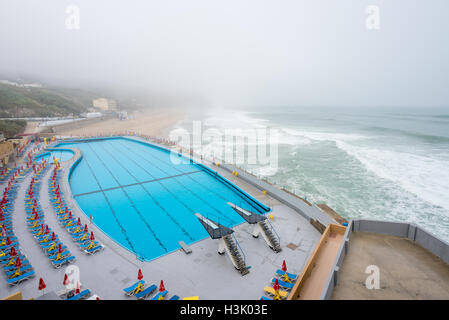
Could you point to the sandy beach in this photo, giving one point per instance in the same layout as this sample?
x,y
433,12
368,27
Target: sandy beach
x,y
153,122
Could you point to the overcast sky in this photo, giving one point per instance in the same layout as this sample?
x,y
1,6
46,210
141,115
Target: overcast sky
x,y
238,53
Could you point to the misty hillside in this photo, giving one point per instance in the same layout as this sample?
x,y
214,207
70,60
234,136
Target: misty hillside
x,y
42,102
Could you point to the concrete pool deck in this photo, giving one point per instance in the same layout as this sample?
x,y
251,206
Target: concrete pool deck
x,y
202,273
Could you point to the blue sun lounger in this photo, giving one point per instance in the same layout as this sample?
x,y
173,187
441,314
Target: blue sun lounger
x,y
281,273
265,298
53,251
63,254
59,263
22,269
160,295
23,277
25,262
130,290
83,294
146,292
85,245
13,244
283,284
94,249
21,257
175,297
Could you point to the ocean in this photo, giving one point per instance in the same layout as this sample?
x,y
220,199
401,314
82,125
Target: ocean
x,y
374,163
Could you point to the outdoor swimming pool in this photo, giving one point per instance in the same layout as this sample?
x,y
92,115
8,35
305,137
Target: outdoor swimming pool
x,y
61,155
144,201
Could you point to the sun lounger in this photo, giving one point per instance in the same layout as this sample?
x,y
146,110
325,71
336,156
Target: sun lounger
x,y
85,245
21,269
63,255
283,284
175,297
281,273
191,298
13,244
160,295
270,291
8,261
146,292
59,263
25,262
55,250
94,249
82,295
23,277
265,298
130,290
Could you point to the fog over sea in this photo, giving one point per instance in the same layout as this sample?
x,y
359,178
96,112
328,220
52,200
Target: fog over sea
x,y
378,163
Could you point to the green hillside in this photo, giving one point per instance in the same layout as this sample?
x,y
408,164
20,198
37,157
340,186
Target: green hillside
x,y
43,102
12,127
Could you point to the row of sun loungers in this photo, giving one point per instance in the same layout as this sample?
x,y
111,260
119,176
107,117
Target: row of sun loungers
x,y
141,291
79,234
57,253
14,263
285,281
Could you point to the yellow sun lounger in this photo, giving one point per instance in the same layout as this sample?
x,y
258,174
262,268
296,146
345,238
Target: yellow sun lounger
x,y
280,294
191,298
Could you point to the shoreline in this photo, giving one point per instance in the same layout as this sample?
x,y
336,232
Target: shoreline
x,y
152,122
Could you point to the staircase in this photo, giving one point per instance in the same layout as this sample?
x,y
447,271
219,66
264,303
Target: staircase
x,y
235,254
272,238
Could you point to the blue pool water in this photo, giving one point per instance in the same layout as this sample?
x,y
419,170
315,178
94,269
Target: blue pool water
x,y
61,155
144,201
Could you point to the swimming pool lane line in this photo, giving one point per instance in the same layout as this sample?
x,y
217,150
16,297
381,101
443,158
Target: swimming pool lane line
x,y
135,184
132,202
221,214
184,231
204,186
111,208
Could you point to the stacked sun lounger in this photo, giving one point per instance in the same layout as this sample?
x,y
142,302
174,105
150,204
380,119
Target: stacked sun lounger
x,y
69,221
56,251
142,290
15,264
286,282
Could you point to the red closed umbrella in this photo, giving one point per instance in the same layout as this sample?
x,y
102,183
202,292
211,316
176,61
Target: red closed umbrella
x,y
66,280
284,266
8,241
46,229
79,221
139,275
42,285
53,236
18,263
13,252
161,286
276,285
92,238
85,229
59,248
78,289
